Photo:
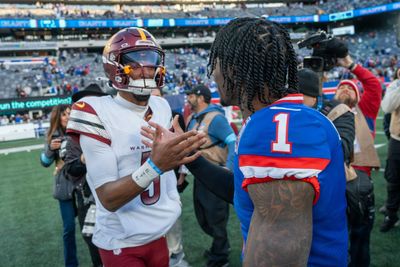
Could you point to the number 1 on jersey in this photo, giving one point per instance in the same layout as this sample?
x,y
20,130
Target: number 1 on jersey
x,y
281,143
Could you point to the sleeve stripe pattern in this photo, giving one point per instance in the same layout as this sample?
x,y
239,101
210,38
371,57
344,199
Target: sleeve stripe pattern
x,y
260,169
277,173
313,181
85,121
286,163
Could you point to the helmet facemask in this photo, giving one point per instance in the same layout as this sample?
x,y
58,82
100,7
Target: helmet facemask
x,y
141,71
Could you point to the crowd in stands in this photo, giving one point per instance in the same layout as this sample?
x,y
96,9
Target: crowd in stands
x,y
58,76
15,119
72,70
179,11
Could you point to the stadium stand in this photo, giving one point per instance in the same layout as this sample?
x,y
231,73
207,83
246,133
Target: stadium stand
x,y
178,11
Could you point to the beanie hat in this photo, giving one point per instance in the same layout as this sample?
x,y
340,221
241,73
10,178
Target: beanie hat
x,y
353,85
308,82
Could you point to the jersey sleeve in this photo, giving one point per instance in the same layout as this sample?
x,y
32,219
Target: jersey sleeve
x,y
84,120
101,162
284,146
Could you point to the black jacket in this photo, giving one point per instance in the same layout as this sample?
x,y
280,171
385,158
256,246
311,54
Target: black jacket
x,y
74,167
345,127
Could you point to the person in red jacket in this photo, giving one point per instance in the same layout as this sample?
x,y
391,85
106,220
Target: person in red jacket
x,y
365,107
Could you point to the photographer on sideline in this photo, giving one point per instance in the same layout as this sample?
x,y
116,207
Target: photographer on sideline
x,y
340,115
365,108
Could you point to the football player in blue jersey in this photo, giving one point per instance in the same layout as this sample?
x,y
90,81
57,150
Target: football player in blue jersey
x,y
289,180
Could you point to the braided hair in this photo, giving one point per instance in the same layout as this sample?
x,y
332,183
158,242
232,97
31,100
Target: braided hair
x,y
254,53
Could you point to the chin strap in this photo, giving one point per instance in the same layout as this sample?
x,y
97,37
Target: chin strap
x,y
137,87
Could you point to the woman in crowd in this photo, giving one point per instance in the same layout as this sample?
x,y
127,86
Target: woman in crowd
x,y
54,152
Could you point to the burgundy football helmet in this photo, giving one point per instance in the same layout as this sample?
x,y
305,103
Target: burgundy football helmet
x,y
132,50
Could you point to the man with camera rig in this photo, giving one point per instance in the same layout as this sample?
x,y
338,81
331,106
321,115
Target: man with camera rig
x,y
327,53
365,108
338,113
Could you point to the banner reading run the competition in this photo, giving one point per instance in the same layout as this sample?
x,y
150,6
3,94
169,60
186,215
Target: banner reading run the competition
x,y
13,105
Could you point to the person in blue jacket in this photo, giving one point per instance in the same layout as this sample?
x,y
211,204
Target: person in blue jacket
x,y
212,212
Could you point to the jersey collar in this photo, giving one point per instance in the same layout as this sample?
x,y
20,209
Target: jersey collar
x,y
290,99
129,105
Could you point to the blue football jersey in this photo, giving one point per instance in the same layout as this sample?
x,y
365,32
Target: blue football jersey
x,y
288,140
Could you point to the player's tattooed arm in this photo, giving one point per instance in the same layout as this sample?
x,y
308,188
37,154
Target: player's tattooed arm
x,y
281,226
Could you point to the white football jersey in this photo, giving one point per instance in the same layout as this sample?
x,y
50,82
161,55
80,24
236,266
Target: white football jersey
x,y
116,123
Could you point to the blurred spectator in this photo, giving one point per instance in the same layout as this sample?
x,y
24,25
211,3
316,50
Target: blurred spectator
x,y
4,120
391,105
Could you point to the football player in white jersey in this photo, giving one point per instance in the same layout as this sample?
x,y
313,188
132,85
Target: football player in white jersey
x,y
136,197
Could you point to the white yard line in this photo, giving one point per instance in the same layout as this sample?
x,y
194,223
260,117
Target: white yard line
x,y
7,151
379,145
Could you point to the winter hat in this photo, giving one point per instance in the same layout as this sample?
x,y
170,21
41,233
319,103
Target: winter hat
x,y
308,82
353,85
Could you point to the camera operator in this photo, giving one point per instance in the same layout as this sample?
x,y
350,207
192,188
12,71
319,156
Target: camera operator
x,y
329,52
75,169
358,187
339,114
365,108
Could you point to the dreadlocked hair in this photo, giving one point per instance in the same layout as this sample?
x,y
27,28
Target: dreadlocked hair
x,y
254,53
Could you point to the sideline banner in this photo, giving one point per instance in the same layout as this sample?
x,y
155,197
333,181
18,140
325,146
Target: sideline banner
x,y
12,105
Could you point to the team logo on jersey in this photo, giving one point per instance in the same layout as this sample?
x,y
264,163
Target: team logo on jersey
x,y
80,104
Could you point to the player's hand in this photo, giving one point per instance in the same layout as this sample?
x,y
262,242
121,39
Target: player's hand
x,y
55,143
150,132
172,149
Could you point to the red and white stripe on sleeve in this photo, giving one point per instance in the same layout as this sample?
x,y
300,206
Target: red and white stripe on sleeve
x,y
261,169
84,120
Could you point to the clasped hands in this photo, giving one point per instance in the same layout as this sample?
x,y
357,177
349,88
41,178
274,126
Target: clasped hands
x,y
171,149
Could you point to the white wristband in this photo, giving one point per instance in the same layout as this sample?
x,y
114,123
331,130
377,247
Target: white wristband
x,y
144,175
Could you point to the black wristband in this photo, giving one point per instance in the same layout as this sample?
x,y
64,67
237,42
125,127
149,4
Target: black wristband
x,y
351,66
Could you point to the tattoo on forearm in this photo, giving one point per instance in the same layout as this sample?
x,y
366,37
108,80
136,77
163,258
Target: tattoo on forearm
x,y
281,226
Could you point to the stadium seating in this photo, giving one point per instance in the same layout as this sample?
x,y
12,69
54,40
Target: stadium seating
x,y
217,11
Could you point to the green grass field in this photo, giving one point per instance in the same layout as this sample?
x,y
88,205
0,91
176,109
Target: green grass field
x,y
30,222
